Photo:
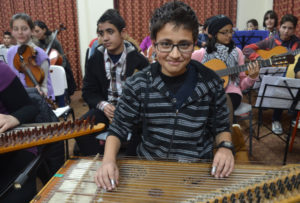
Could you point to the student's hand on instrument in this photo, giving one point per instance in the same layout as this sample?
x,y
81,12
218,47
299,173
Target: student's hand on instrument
x,y
40,91
107,176
253,69
223,163
7,122
109,111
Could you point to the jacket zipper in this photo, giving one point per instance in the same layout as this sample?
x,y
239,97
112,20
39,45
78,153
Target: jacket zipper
x,y
171,143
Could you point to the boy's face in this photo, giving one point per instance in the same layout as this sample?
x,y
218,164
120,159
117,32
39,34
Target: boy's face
x,y
111,37
7,40
286,30
174,62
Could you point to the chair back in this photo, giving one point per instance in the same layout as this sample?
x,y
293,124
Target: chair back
x,y
59,79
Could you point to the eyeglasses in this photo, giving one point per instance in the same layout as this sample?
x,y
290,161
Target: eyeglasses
x,y
167,47
227,32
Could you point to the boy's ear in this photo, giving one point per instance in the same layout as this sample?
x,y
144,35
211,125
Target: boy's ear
x,y
124,33
153,43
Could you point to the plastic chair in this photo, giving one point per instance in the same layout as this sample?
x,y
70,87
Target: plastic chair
x,y
244,112
59,84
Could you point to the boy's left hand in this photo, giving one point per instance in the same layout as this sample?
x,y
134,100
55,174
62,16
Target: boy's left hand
x,y
223,163
253,70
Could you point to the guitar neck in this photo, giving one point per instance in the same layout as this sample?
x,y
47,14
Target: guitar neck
x,y
242,68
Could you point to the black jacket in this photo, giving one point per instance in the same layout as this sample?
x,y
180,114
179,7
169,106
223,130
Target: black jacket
x,y
95,82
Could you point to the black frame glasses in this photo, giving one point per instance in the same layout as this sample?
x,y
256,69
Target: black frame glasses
x,y
166,47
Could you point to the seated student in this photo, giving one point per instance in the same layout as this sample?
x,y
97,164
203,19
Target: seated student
x,y
7,43
221,46
15,108
42,37
113,61
270,22
22,27
180,102
285,37
203,37
252,24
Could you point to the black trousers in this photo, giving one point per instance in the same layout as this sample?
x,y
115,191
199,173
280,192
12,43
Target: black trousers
x,y
88,144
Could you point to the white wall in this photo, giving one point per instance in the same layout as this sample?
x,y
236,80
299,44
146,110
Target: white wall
x,y
89,11
247,9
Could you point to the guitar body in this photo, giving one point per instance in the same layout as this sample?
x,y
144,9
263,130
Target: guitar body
x,y
216,65
290,71
266,54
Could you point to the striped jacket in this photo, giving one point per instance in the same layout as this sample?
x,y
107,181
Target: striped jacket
x,y
186,133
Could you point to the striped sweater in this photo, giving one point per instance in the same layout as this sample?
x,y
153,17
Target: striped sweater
x,y
186,133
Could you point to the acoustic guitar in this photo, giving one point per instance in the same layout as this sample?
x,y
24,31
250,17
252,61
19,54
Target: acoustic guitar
x,y
221,69
280,50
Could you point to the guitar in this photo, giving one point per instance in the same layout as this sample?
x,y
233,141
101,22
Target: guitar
x,y
281,51
221,69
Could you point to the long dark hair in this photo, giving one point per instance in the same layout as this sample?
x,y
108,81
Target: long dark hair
x,y
272,15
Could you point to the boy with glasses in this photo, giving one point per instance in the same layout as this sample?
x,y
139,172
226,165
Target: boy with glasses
x,y
180,103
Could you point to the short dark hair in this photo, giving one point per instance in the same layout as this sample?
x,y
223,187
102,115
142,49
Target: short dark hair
x,y
272,15
113,17
7,33
253,22
24,17
289,18
175,12
43,25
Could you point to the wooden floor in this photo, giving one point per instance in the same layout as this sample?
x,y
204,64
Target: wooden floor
x,y
268,150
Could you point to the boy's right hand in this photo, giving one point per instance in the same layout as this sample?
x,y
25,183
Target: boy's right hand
x,y
107,176
109,111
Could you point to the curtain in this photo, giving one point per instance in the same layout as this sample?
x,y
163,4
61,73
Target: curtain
x,y
282,7
137,13
53,13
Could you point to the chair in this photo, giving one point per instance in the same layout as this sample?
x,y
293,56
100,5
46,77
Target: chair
x,y
59,84
244,112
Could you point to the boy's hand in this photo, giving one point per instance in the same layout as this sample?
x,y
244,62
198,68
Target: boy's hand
x,y
109,110
253,69
223,163
107,176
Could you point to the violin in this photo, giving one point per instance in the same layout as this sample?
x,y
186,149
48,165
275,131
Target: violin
x,y
24,62
54,56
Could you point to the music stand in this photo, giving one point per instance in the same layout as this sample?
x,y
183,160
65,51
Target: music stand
x,y
243,38
278,93
271,71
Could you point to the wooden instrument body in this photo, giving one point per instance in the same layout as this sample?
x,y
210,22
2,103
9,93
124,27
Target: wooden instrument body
x,y
24,61
220,68
161,181
216,65
266,54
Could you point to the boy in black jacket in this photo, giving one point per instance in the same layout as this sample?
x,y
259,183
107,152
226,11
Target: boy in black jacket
x,y
107,70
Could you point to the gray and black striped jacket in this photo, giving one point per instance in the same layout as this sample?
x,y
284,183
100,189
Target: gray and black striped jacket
x,y
186,133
